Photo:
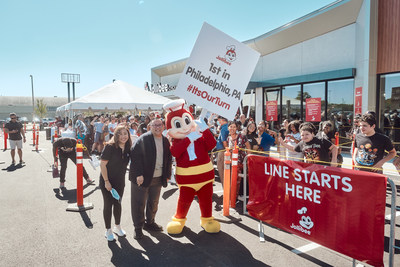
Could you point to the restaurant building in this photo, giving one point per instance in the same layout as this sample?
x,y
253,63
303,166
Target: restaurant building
x,y
344,48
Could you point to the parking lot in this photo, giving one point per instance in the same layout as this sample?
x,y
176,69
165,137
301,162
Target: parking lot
x,y
38,231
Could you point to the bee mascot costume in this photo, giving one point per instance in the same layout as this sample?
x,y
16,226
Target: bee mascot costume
x,y
191,142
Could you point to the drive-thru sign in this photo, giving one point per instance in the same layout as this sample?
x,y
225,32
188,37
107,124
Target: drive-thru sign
x,y
217,73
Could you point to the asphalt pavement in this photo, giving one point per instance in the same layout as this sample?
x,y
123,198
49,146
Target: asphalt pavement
x,y
36,229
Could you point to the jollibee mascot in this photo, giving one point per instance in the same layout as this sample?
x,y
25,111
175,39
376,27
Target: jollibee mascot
x,y
191,142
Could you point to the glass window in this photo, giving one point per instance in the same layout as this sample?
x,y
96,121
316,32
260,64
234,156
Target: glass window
x,y
291,102
340,105
314,90
390,106
272,94
249,101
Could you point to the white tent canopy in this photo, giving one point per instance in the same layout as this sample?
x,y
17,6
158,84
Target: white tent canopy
x,y
117,96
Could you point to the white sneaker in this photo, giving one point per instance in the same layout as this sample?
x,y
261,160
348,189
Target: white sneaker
x,y
119,231
109,235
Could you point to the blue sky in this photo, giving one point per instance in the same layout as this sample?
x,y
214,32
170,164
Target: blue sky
x,y
118,39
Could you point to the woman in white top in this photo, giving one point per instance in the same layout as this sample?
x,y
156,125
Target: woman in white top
x,y
292,138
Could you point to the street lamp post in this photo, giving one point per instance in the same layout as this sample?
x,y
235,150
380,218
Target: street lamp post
x,y
33,98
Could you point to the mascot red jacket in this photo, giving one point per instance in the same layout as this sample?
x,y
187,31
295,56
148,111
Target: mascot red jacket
x,y
191,143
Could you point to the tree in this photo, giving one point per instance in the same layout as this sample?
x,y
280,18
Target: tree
x,y
305,95
41,108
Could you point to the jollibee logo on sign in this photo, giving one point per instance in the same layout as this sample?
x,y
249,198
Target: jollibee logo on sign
x,y
217,73
305,222
230,55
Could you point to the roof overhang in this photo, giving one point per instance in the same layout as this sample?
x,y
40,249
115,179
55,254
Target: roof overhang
x,y
170,68
331,17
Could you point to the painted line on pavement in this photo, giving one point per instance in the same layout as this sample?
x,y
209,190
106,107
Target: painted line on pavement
x,y
387,217
305,248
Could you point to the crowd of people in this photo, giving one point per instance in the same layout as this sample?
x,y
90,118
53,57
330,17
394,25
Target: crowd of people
x,y
143,142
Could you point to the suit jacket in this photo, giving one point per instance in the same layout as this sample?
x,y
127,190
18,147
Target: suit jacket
x,y
143,159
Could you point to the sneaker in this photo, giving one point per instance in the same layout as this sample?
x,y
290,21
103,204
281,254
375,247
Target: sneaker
x,y
62,185
90,181
153,227
109,235
21,162
119,231
138,234
13,162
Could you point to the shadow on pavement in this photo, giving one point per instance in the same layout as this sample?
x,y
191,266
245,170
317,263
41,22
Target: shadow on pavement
x,y
396,243
204,250
86,219
13,167
126,254
169,193
70,194
285,246
389,190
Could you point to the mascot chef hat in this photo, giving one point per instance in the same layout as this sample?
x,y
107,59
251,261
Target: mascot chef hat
x,y
175,108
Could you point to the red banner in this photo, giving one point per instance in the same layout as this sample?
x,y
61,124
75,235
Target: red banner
x,y
358,101
272,110
341,209
313,109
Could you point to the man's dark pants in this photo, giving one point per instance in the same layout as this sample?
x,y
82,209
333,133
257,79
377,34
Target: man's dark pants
x,y
63,161
145,197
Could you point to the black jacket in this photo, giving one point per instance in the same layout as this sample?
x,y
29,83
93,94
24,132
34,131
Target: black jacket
x,y
143,159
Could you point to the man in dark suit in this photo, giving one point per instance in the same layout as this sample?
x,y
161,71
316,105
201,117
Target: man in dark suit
x,y
150,168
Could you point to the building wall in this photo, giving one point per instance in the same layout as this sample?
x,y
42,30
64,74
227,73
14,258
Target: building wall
x,y
347,47
170,79
155,78
366,53
22,106
332,51
388,36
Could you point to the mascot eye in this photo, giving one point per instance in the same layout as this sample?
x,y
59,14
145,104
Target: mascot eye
x,y
177,124
187,120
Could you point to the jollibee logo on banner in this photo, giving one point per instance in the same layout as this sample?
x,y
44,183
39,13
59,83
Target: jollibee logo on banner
x,y
217,72
327,205
305,222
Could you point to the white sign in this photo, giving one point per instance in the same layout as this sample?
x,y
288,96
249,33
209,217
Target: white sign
x,y
217,73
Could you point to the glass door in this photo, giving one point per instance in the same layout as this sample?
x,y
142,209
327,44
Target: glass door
x,y
291,102
389,106
273,94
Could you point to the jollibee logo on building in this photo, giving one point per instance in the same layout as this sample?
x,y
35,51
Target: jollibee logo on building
x,y
305,222
230,55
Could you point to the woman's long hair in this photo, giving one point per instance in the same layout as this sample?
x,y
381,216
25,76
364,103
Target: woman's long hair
x,y
248,126
117,133
296,124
